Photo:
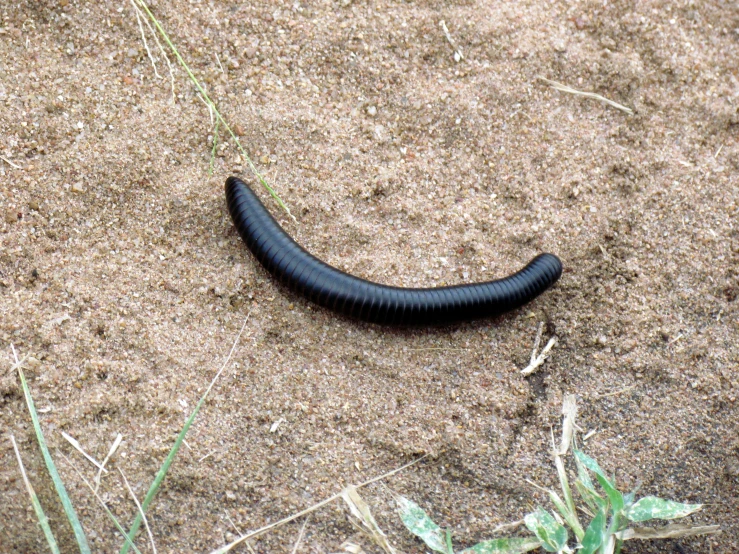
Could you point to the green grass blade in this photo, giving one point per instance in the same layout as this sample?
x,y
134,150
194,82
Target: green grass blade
x,y
74,521
175,448
40,515
207,99
121,530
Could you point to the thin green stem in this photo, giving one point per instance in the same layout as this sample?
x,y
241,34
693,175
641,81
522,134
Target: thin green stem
x,y
215,109
215,145
175,448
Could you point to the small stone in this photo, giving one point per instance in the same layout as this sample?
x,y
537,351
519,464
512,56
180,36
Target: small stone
x,y
264,159
559,45
379,131
78,188
250,52
372,111
33,204
11,217
238,130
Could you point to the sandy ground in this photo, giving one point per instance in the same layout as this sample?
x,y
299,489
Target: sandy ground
x,y
122,277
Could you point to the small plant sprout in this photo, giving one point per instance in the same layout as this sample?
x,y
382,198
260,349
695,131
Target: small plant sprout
x,y
615,516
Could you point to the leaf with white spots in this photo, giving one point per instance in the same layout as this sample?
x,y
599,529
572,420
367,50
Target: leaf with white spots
x,y
552,535
651,507
420,524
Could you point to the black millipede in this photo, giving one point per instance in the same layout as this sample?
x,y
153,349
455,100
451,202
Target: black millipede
x,y
358,298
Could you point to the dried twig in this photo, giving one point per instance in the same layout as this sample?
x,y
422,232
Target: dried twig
x,y
116,444
143,38
313,508
7,161
594,96
540,358
458,56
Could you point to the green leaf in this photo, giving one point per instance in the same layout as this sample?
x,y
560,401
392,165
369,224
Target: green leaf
x,y
614,495
552,535
651,507
513,545
420,524
595,534
592,498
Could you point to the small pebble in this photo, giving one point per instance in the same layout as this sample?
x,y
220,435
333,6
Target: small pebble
x,y
33,204
11,216
372,111
78,188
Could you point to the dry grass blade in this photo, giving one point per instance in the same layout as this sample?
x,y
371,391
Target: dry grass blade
x,y
569,413
360,510
351,548
616,392
143,515
7,161
674,531
143,38
538,358
594,96
121,530
300,535
40,515
116,444
76,445
506,527
457,50
307,511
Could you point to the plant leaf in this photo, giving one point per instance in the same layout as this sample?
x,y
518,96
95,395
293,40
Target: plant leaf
x,y
595,533
61,490
651,507
512,545
674,531
614,495
567,515
552,535
591,498
420,524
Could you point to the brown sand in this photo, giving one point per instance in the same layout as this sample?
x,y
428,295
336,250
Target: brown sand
x,y
121,275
